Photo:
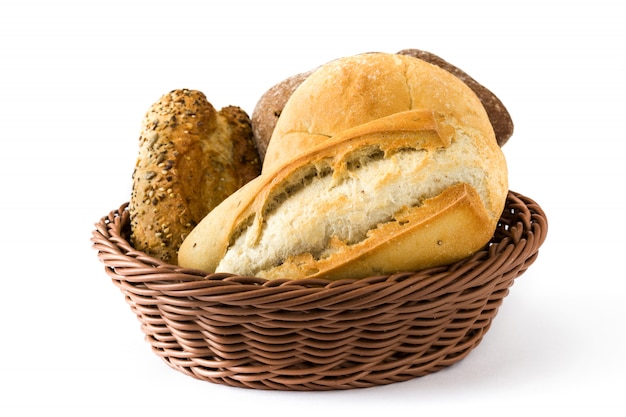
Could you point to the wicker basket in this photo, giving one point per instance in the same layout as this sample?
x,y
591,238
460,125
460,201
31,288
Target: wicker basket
x,y
318,334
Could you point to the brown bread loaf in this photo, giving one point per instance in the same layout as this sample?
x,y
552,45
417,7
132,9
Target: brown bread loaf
x,y
191,157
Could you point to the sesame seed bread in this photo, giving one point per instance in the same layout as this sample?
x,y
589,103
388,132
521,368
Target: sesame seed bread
x,y
191,157
379,163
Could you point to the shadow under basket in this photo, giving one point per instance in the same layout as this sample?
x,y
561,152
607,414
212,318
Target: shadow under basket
x,y
313,334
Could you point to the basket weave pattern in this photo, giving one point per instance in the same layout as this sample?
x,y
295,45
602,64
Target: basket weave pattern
x,y
318,334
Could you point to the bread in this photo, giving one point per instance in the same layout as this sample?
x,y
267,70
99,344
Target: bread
x,y
351,91
270,106
191,157
386,163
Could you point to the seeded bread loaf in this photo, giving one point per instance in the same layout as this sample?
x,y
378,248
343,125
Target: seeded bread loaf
x,y
270,106
191,157
371,177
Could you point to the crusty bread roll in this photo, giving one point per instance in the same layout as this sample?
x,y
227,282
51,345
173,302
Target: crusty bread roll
x,y
191,157
383,163
270,106
354,90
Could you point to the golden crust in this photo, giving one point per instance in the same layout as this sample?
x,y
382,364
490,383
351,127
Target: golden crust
x,y
270,106
366,87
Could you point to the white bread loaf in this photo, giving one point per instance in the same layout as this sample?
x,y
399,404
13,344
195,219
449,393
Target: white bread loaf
x,y
381,180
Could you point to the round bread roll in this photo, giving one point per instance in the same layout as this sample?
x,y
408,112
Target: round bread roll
x,y
379,163
191,157
270,106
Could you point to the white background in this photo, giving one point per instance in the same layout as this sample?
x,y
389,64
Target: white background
x,y
76,78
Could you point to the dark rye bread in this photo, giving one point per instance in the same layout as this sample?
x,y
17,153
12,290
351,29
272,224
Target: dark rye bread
x,y
191,157
271,104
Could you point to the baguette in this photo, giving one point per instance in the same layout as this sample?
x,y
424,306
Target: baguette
x,y
379,163
191,157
